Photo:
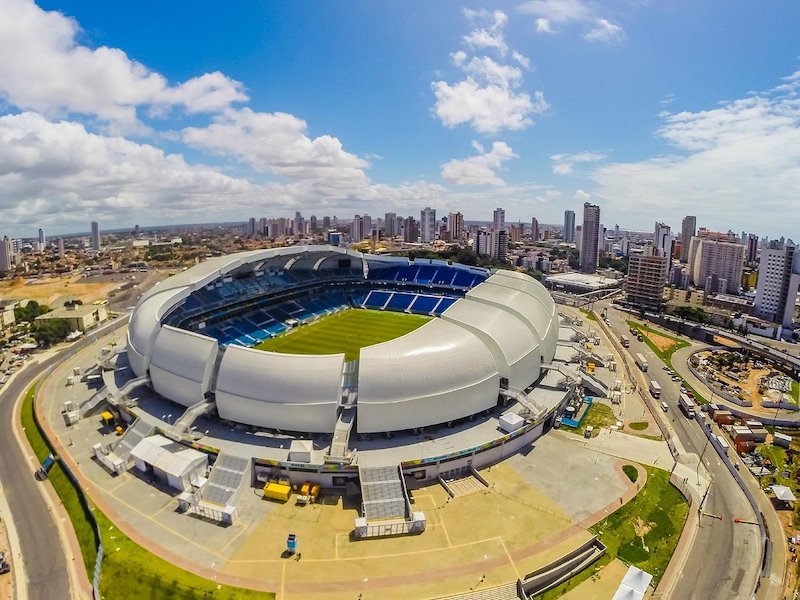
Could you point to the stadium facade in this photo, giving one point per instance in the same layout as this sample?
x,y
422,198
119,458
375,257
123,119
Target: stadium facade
x,y
192,334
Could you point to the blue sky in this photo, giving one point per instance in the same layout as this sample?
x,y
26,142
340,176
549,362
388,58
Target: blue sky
x,y
194,112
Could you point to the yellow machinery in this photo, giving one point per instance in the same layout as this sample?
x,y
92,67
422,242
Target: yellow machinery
x,y
277,490
107,418
309,492
590,368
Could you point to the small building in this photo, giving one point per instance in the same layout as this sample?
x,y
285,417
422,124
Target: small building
x,y
784,498
172,463
782,440
79,317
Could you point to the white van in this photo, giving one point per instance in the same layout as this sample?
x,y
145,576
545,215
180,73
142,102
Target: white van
x,y
664,406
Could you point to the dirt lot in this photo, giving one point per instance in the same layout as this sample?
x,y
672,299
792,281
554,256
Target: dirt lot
x,y
661,342
47,291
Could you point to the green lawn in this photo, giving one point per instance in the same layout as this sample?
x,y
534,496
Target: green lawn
x,y
589,314
639,425
128,570
347,332
659,511
631,471
599,416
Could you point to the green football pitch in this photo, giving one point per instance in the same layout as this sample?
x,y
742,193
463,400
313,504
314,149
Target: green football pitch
x,y
347,332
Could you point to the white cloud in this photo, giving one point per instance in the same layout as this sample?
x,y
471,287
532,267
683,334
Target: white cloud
x,y
521,59
487,108
277,143
44,68
552,13
605,31
489,97
490,36
582,196
734,164
564,164
61,174
480,169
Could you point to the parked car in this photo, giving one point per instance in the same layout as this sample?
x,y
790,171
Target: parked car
x,y
4,568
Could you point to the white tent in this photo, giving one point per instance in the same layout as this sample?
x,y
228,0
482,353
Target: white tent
x,y
174,463
634,585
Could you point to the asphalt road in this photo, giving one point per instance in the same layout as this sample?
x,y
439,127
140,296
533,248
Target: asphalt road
x,y
724,559
45,563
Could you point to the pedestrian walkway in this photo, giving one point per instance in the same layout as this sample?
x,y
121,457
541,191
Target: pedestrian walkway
x,y
623,445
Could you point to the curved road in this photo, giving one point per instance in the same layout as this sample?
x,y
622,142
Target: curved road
x,y
723,561
45,564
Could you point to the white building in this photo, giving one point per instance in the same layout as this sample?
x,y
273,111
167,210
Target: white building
x,y
6,254
778,281
716,266
427,225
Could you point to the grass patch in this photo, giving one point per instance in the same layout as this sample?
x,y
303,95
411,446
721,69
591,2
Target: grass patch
x,y
599,416
127,567
796,390
631,471
646,530
590,316
347,332
639,425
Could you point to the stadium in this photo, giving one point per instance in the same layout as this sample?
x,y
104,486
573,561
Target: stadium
x,y
322,364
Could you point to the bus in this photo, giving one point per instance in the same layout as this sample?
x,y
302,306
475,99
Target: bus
x,y
625,341
655,389
687,406
641,362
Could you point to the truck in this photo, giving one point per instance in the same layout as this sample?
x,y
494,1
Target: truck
x,y
687,406
625,341
655,389
641,362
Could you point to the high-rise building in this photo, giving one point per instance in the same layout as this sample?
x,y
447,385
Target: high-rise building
x,y
6,254
716,266
427,225
499,219
752,248
326,222
61,253
250,229
688,231
137,231
455,225
312,224
569,226
358,231
644,284
590,232
492,243
390,225
42,239
534,229
367,225
410,231
778,282
662,240
95,236
297,224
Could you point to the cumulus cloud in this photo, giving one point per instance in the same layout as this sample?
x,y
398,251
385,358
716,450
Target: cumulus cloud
x,y
59,173
742,155
582,196
553,14
489,98
480,169
564,164
44,68
61,176
277,143
490,36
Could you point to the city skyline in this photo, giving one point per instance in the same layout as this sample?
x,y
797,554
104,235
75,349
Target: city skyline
x,y
172,125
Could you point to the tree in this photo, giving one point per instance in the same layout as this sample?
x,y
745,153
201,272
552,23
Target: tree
x,y
51,331
30,311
